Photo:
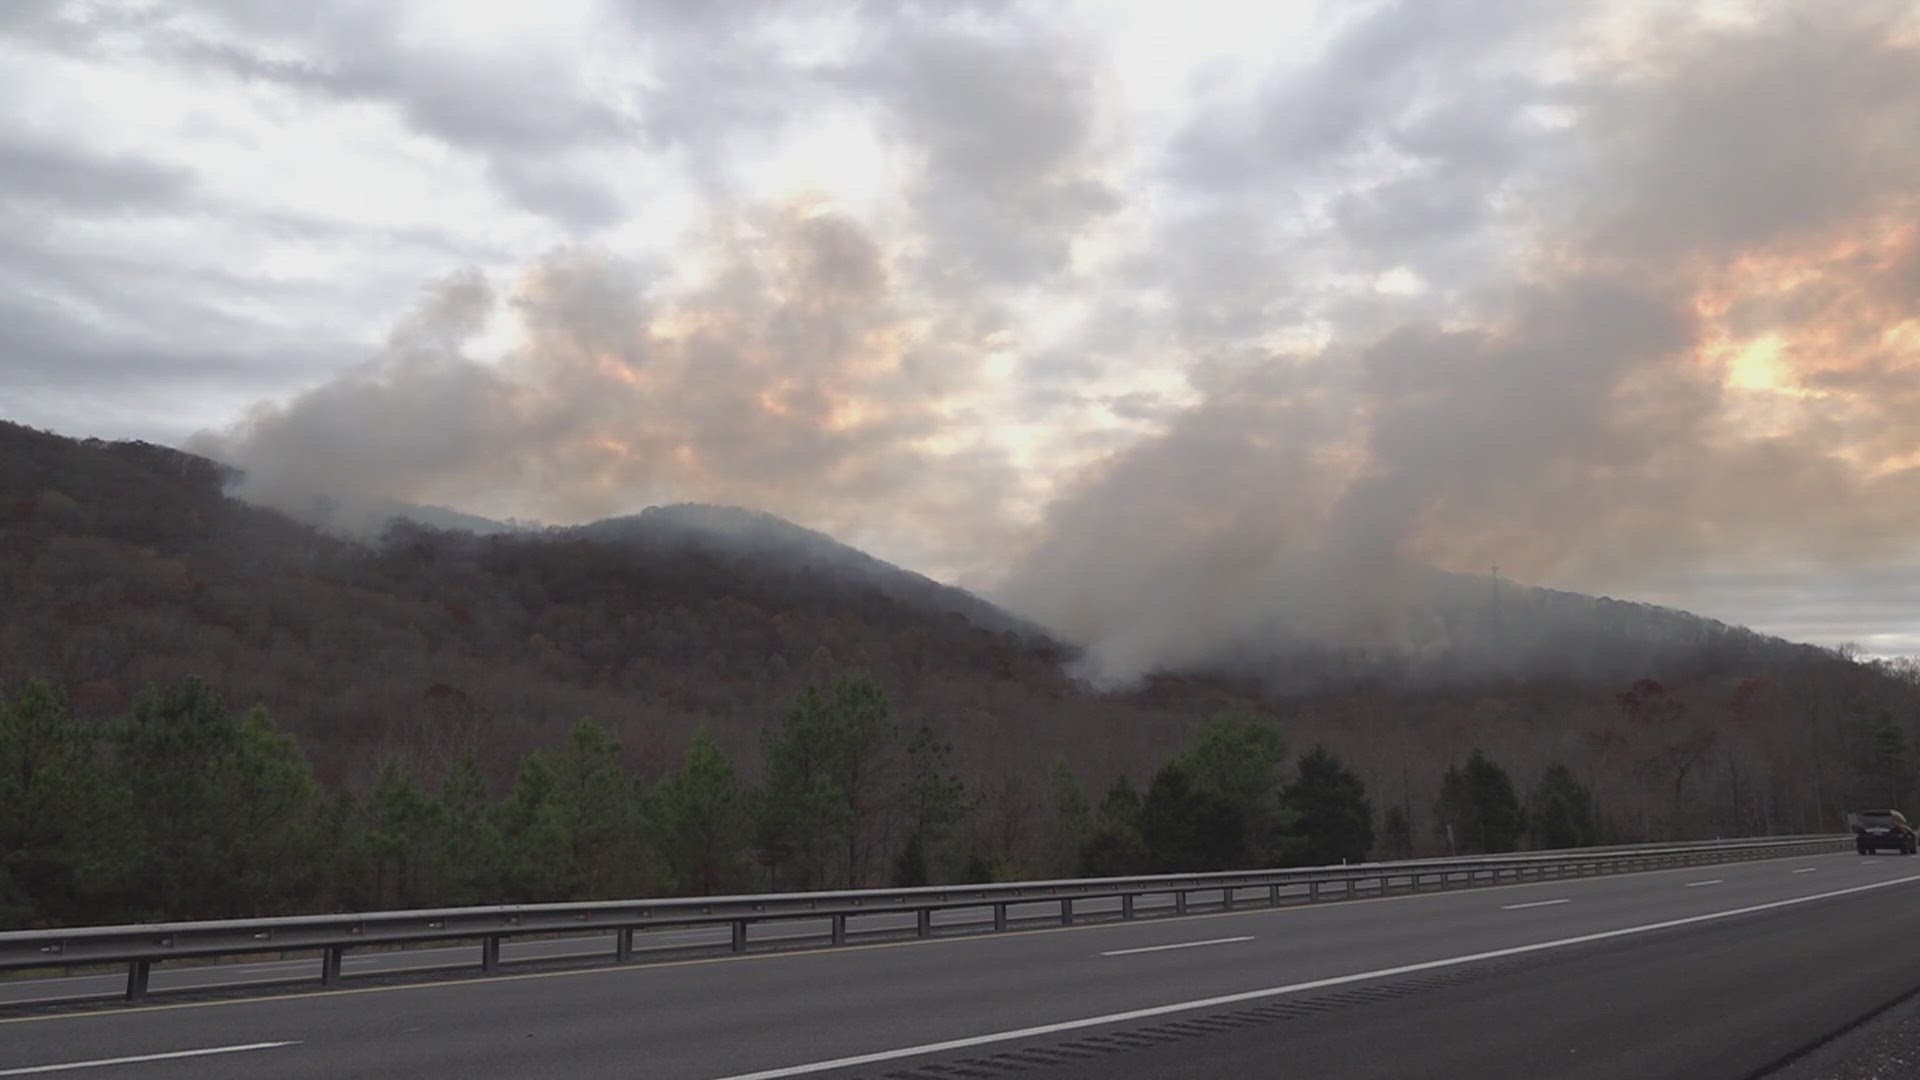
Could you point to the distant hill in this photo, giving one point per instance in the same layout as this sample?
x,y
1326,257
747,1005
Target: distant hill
x,y
801,558
125,564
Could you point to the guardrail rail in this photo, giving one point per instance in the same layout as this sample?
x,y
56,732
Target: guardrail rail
x,y
140,946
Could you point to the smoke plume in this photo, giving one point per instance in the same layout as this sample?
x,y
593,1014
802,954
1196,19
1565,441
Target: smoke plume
x,y
1603,300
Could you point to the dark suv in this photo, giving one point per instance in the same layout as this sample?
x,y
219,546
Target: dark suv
x,y
1876,829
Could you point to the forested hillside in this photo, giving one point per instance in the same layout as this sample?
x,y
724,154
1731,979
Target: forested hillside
x,y
125,567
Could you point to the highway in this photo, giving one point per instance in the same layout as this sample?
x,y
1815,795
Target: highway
x,y
1723,971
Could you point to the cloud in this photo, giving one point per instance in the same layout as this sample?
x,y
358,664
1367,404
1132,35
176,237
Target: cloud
x,y
793,378
1606,411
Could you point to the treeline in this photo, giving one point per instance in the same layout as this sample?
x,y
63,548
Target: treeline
x,y
184,808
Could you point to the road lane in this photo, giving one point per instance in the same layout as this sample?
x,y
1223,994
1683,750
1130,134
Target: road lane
x,y
738,1015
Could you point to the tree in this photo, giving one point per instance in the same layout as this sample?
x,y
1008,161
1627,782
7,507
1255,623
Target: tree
x,y
1887,767
1396,833
1188,827
58,815
1479,812
219,811
934,800
1240,760
1679,742
825,768
400,834
1072,816
1112,845
568,829
1561,814
697,818
1332,817
466,854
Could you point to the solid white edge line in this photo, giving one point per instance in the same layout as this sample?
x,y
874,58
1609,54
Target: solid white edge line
x,y
1714,881
1291,988
1178,945
98,1063
1536,903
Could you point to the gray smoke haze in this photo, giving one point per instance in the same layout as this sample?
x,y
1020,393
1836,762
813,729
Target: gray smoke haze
x,y
1595,418
1604,299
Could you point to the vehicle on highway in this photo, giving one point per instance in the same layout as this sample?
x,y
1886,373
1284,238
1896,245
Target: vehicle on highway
x,y
1876,829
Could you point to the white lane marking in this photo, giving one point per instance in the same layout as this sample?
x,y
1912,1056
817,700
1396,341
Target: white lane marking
x,y
1709,881
1536,903
34,1070
1290,988
1806,870
1180,945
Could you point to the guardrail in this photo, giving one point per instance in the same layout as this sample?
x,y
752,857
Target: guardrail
x,y
331,936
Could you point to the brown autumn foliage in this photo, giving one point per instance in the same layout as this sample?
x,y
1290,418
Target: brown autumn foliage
x,y
124,564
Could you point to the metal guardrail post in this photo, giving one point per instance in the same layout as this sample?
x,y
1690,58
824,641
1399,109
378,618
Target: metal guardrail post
x,y
923,920
1179,901
1126,906
739,935
1313,892
1353,888
330,961
1066,911
137,973
840,928
623,944
1226,898
1273,895
1000,912
490,953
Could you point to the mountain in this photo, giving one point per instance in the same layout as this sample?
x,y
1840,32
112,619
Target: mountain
x,y
123,565
802,559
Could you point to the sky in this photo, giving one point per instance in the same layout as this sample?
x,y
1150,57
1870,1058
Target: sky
x,y
1127,314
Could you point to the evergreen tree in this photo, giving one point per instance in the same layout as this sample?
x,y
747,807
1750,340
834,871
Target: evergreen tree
x,y
1071,815
1887,767
401,831
467,853
1188,827
1239,760
220,811
568,829
1561,811
1112,845
826,770
934,801
1396,833
1479,812
56,812
697,817
1333,818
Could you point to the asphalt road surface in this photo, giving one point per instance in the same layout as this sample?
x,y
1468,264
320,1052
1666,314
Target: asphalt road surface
x,y
1724,971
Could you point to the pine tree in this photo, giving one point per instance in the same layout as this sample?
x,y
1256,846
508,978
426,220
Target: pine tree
x,y
1333,818
569,829
697,818
1071,815
56,812
1239,760
1188,827
826,767
466,854
1478,810
220,812
400,834
934,801
1113,845
1396,833
1562,811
